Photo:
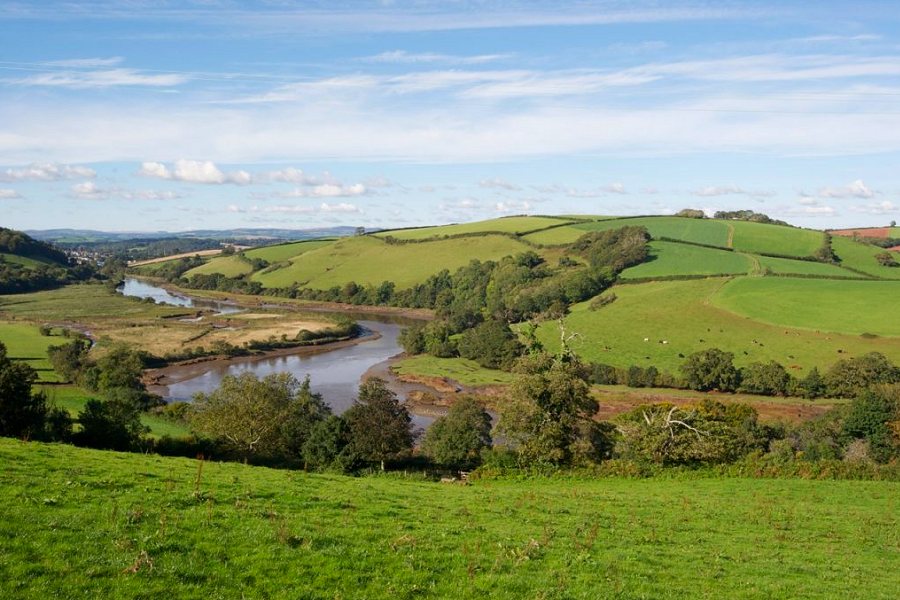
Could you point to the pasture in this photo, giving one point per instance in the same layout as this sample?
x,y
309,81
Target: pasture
x,y
672,258
861,257
82,523
775,239
503,225
699,231
24,343
685,316
229,266
786,266
370,260
851,307
282,252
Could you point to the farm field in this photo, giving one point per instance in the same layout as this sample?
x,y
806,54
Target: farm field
x,y
699,231
73,399
229,266
283,252
25,261
672,258
25,343
503,225
83,523
862,258
775,239
369,260
162,259
464,371
786,302
684,314
786,266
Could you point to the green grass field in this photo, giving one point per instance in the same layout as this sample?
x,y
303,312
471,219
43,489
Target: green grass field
x,y
672,258
72,398
558,236
504,225
466,372
88,524
94,302
786,266
369,260
229,266
775,239
862,258
25,261
283,252
700,231
852,307
25,343
683,314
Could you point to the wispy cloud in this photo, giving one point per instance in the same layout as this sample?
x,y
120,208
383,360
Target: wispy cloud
x,y
877,208
731,190
9,194
855,189
101,79
404,57
85,62
89,190
46,172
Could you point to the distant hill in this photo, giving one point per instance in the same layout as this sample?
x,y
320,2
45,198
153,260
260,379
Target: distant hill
x,y
27,264
87,236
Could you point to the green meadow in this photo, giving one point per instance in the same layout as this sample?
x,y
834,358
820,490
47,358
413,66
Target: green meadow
x,y
699,231
88,524
503,225
229,266
687,316
862,258
851,307
775,239
24,343
72,398
283,252
370,260
672,258
786,266
466,372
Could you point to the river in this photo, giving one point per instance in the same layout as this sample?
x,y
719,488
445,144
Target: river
x,y
334,373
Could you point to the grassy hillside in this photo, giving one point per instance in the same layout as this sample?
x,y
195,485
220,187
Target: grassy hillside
x,y
25,343
852,307
229,266
282,252
786,266
504,225
699,231
861,257
31,263
775,239
670,258
369,260
82,523
684,314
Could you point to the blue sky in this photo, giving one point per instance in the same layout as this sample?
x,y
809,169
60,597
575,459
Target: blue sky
x,y
154,114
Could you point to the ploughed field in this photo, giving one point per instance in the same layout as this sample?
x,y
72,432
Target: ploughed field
x,y
82,523
753,289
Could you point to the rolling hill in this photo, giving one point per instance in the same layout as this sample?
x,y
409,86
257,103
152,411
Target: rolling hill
x,y
755,289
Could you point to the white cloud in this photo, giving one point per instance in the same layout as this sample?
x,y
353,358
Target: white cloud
x,y
498,183
85,62
297,208
88,190
856,189
289,175
8,194
728,190
194,171
47,172
877,208
326,190
101,79
404,57
512,206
